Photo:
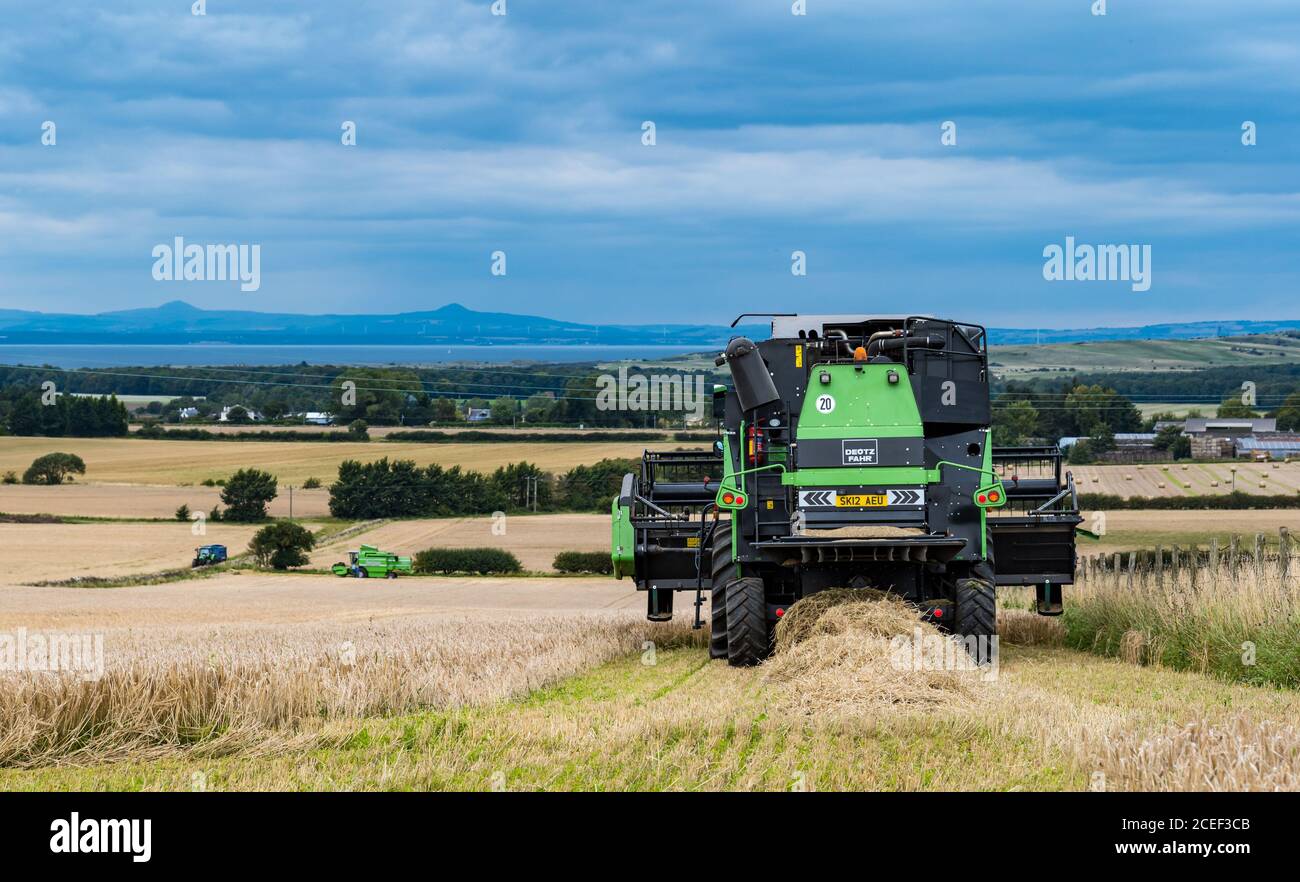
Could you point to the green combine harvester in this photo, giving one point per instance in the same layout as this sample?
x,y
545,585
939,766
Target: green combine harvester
x,y
854,452
369,562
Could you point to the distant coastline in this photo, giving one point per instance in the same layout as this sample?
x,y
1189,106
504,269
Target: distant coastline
x,y
107,355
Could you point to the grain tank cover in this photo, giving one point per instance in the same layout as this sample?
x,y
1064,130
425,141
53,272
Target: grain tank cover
x,y
754,386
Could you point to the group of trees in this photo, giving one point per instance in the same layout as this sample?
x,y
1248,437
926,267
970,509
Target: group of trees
x,y
55,415
400,488
546,394
1024,412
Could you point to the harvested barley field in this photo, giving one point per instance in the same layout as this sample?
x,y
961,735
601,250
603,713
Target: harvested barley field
x,y
51,552
138,461
553,701
95,500
1189,479
534,539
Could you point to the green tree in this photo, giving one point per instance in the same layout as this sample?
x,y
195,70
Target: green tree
x,y
504,410
246,495
444,410
379,396
1014,423
539,408
1090,406
1288,415
282,545
1233,409
1101,439
1171,438
54,468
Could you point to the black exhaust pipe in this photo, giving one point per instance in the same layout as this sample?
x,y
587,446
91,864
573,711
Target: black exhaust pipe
x,y
754,386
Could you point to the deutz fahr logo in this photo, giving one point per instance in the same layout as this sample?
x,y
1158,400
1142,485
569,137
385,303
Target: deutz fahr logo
x,y
860,451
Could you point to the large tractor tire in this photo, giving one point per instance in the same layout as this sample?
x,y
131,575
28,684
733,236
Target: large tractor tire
x,y
722,570
749,640
975,612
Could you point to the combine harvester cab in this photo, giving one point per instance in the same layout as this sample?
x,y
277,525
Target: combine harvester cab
x,y
368,562
854,452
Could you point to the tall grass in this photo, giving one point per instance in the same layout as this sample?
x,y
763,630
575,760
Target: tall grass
x,y
1243,626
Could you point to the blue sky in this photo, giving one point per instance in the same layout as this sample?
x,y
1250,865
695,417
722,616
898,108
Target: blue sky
x,y
775,133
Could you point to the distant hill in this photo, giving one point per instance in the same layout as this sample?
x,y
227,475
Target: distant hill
x,y
179,322
1183,331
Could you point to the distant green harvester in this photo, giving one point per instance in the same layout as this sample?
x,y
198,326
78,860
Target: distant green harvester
x,y
369,562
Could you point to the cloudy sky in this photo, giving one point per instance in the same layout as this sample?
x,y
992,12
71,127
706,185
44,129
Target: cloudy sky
x,y
774,133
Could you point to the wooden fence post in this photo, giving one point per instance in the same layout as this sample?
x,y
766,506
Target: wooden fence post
x,y
1284,551
1234,555
1160,567
1214,555
1259,555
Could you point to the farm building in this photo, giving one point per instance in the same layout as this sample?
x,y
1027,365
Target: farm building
x,y
1214,438
477,415
1273,445
1129,447
225,413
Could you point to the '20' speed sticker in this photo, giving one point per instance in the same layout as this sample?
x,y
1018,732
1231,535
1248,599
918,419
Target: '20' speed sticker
x,y
825,403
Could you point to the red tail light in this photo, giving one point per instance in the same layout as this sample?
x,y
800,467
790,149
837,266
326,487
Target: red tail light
x,y
755,446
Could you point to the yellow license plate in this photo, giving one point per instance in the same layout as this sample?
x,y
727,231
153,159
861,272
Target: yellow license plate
x,y
692,541
861,500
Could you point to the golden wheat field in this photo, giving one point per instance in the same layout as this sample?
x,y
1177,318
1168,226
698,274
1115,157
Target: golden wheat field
x,y
94,500
360,696
140,461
